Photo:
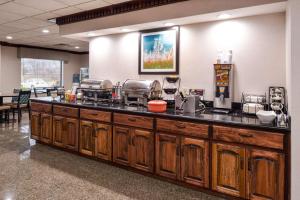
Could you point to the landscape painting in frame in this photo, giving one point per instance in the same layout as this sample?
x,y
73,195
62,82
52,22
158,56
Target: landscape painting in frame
x,y
159,51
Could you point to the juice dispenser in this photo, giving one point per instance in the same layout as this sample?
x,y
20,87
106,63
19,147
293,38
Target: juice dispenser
x,y
223,87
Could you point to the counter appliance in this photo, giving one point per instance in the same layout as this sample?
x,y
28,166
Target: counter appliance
x,y
95,90
223,87
188,104
139,92
171,86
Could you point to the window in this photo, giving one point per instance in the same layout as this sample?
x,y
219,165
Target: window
x,y
41,73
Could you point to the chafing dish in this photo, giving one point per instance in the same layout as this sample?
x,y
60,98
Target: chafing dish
x,y
139,92
96,84
95,90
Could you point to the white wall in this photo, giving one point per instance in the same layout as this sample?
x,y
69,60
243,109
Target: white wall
x,y
10,67
293,52
258,45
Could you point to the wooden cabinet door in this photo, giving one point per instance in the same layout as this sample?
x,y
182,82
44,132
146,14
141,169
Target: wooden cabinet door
x,y
195,161
86,138
142,152
121,142
70,138
58,131
103,141
46,128
35,125
167,155
265,175
228,169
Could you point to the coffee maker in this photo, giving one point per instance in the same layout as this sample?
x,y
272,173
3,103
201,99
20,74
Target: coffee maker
x,y
223,87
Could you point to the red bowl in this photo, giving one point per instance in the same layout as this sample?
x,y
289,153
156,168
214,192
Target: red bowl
x,y
157,106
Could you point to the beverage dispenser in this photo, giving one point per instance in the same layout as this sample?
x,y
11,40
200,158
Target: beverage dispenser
x,y
223,81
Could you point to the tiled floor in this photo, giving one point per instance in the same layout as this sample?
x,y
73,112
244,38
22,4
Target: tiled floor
x,y
34,171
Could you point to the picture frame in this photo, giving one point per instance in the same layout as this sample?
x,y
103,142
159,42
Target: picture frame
x,y
159,51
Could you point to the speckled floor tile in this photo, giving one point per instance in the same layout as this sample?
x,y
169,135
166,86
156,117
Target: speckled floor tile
x,y
30,171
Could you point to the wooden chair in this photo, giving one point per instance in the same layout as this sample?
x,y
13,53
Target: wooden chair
x,y
22,103
5,109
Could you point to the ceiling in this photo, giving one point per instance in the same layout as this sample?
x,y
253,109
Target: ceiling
x,y
25,20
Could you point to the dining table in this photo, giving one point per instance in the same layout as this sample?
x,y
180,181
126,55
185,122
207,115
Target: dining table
x,y
2,96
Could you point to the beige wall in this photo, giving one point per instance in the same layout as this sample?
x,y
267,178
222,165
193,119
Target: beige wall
x,y
258,45
10,67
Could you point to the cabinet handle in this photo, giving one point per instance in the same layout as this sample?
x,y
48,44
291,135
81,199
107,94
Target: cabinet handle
x,y
180,125
131,119
242,163
132,141
249,165
245,135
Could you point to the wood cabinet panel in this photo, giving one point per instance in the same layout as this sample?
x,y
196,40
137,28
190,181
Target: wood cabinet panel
x,y
103,141
195,161
167,155
95,115
265,175
228,169
70,138
35,125
65,111
87,140
58,131
133,120
248,136
142,150
121,142
46,128
41,107
185,128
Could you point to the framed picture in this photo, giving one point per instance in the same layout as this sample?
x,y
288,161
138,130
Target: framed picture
x,y
159,51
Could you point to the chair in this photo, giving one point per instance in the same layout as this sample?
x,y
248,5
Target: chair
x,y
6,112
22,103
15,99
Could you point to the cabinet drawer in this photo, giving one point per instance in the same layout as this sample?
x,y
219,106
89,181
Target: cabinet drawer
x,y
247,136
133,120
65,111
41,107
186,128
95,115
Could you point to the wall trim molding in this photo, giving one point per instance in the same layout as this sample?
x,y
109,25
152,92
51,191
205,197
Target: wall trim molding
x,y
41,48
114,9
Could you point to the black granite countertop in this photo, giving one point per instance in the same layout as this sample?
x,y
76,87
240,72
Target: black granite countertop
x,y
233,119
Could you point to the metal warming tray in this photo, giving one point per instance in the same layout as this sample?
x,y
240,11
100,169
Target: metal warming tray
x,y
96,84
140,91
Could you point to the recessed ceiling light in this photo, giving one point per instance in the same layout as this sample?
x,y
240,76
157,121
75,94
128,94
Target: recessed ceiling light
x,y
169,24
126,30
224,16
9,37
45,31
91,34
77,47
